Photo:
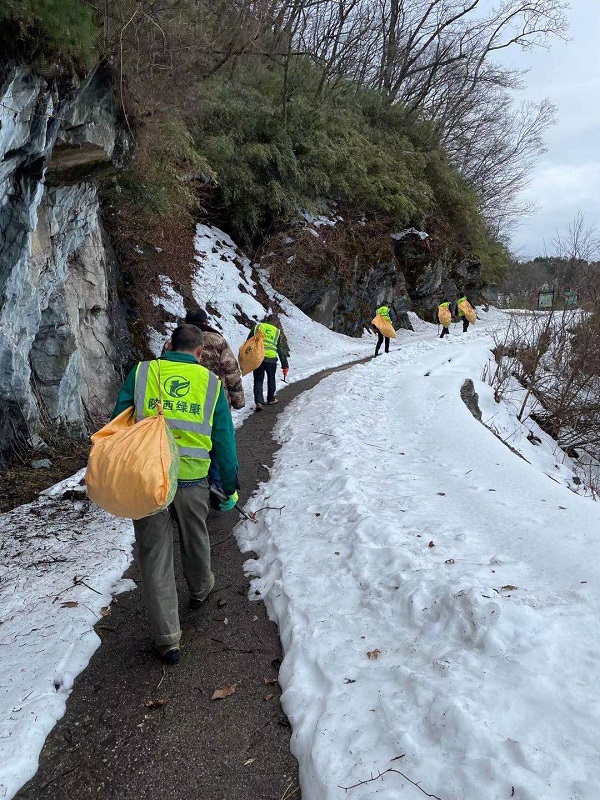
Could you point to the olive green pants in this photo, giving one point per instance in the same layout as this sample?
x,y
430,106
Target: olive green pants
x,y
154,537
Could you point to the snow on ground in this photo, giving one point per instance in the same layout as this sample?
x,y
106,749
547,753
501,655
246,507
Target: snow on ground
x,y
61,563
50,549
231,289
438,597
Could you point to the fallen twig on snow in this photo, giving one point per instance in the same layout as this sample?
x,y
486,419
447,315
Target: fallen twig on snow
x,y
386,772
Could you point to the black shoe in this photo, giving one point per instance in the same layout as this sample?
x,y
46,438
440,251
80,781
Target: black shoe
x,y
169,656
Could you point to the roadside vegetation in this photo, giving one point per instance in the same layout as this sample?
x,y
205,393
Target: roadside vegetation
x,y
249,113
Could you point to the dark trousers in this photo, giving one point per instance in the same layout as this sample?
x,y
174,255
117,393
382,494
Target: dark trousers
x,y
445,332
154,537
380,338
268,368
465,324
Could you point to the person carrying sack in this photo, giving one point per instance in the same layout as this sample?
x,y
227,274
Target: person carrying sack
x,y
383,324
275,347
196,409
445,318
218,357
466,311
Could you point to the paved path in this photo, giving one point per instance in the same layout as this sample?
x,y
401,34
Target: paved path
x,y
111,745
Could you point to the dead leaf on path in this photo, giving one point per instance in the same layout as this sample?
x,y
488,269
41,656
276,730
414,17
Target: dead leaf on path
x,y
270,681
337,552
442,494
269,697
431,544
449,561
373,654
152,704
249,761
509,587
349,680
226,691
69,604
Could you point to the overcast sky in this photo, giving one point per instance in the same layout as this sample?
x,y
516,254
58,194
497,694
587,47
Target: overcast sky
x,y
567,178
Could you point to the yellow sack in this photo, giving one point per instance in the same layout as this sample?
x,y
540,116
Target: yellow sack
x,y
468,311
384,326
252,353
444,316
133,466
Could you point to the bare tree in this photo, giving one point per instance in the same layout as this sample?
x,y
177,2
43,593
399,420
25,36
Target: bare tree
x,y
580,242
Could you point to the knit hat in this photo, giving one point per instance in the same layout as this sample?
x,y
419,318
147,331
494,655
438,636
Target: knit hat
x,y
196,316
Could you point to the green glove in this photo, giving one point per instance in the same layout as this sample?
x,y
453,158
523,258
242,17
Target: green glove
x,y
227,505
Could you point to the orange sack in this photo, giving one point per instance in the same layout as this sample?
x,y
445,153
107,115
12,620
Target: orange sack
x,y
133,467
468,311
444,316
252,353
384,326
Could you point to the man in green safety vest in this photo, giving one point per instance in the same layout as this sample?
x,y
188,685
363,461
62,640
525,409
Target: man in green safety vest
x,y
196,409
385,312
275,347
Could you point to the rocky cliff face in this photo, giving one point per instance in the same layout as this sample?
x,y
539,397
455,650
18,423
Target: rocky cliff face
x,y
430,278
339,271
60,321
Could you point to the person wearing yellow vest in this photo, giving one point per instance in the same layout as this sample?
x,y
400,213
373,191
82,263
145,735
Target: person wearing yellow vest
x,y
196,410
443,314
386,313
275,347
461,313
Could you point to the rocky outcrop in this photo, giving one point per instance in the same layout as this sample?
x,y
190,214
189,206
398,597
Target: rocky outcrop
x,y
470,398
349,306
432,278
59,318
339,272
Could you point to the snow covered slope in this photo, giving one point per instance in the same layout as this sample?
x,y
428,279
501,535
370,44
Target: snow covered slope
x,y
233,292
438,597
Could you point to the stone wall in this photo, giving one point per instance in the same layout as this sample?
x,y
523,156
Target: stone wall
x,y
59,314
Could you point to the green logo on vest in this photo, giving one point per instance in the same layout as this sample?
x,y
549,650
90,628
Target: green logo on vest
x,y
177,386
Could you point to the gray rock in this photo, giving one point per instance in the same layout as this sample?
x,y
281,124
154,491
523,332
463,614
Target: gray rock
x,y
41,463
37,443
470,398
59,316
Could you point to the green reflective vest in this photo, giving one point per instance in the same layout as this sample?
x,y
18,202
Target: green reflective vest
x,y
384,311
460,300
444,305
189,396
272,335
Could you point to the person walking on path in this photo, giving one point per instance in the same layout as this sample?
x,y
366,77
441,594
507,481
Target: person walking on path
x,y
197,412
218,357
389,315
461,312
275,347
444,317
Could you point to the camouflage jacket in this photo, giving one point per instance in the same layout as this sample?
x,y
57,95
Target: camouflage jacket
x,y
218,358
